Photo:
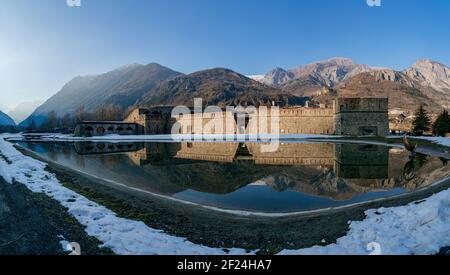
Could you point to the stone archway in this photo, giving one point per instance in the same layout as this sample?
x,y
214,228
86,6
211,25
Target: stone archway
x,y
100,131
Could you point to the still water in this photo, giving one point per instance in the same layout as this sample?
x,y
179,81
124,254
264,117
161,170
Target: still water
x,y
241,176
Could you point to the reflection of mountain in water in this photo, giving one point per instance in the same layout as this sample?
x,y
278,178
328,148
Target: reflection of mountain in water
x,y
338,171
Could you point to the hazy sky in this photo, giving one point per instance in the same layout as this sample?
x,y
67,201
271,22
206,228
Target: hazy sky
x,y
44,43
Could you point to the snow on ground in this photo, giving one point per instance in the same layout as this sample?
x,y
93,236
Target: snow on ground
x,y
122,236
418,228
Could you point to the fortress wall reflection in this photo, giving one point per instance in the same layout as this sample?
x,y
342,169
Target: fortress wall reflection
x,y
362,161
348,161
295,154
94,148
208,151
287,154
338,171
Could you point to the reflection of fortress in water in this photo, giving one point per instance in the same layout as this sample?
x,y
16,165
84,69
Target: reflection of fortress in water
x,y
339,171
346,160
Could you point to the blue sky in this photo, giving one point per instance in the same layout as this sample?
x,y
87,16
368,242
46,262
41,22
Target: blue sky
x,y
45,43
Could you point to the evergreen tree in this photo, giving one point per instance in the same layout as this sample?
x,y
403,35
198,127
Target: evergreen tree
x,y
422,122
441,126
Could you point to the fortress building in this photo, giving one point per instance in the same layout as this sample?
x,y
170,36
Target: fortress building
x,y
346,116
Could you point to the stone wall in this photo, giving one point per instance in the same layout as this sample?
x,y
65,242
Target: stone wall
x,y
362,116
154,121
102,128
139,117
348,116
208,123
307,121
291,121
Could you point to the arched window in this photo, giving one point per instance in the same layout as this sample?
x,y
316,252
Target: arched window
x,y
110,129
100,130
89,128
101,146
119,129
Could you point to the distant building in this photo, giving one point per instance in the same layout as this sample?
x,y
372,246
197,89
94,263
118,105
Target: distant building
x,y
347,116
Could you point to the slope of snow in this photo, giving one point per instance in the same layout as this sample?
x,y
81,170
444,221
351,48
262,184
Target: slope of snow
x,y
121,235
258,78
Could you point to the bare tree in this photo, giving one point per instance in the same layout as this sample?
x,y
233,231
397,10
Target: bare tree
x,y
114,113
102,113
80,114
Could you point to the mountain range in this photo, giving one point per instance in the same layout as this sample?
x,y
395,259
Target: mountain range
x,y
330,72
122,86
219,86
426,82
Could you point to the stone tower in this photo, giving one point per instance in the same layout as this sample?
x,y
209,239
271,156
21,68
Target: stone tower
x,y
361,116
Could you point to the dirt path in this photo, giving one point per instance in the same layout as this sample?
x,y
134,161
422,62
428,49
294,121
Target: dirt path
x,y
32,224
